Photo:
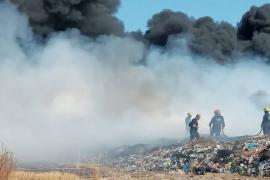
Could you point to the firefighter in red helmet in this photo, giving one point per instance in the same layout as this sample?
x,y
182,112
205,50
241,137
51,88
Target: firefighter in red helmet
x,y
217,123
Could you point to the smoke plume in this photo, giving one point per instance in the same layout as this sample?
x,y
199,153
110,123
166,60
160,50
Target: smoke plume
x,y
93,18
74,93
219,41
166,23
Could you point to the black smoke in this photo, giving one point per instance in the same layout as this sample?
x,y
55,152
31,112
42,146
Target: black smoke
x,y
255,21
217,40
206,37
212,39
91,17
255,28
166,23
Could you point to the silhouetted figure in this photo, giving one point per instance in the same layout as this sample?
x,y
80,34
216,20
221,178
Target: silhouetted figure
x,y
194,126
216,124
187,121
266,121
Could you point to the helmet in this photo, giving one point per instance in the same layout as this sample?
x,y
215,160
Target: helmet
x,y
217,111
266,109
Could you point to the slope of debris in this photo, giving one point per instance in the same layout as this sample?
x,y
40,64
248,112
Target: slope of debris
x,y
249,156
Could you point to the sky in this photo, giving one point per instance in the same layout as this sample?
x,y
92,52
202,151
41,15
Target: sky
x,y
136,13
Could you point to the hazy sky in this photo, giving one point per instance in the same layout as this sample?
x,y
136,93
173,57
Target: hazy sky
x,y
135,13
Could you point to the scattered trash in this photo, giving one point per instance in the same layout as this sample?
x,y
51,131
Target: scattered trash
x,y
251,146
249,156
186,167
199,170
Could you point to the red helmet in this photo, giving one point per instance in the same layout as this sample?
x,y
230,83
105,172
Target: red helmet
x,y
217,111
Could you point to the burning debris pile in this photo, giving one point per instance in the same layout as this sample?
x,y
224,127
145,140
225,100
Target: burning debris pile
x,y
249,156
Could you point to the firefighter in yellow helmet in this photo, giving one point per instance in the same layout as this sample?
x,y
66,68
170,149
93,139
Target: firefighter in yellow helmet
x,y
266,121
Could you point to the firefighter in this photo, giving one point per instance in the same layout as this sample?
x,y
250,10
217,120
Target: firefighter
x,y
216,124
187,121
194,126
266,121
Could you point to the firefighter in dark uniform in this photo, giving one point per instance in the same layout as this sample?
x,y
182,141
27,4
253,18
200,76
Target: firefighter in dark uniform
x,y
216,124
266,122
194,126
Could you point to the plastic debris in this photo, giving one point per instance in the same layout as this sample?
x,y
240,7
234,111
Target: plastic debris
x,y
249,156
251,146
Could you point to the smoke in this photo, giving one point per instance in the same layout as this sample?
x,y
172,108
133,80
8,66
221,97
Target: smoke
x,y
93,17
206,37
74,93
256,20
166,23
217,40
213,40
255,28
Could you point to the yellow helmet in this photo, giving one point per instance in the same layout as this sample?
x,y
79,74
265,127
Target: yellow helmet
x,y
266,109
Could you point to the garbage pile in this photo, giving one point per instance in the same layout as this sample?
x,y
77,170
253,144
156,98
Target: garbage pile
x,y
249,156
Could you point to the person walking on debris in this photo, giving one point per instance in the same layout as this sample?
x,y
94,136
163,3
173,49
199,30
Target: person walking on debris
x,y
216,124
187,121
194,126
266,122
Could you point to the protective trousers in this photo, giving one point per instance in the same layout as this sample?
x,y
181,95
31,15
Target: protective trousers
x,y
266,128
194,134
216,131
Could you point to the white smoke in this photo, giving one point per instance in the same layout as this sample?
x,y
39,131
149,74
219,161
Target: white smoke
x,y
74,92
